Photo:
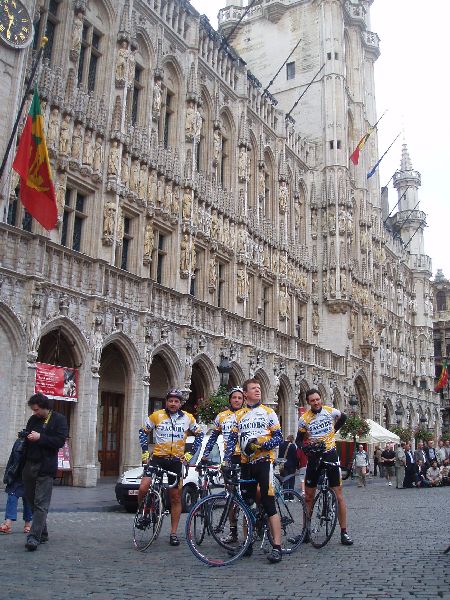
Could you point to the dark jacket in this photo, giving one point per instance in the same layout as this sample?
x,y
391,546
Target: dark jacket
x,y
291,455
45,450
13,472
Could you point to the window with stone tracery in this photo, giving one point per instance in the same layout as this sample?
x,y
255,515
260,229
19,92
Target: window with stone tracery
x,y
73,220
47,25
169,107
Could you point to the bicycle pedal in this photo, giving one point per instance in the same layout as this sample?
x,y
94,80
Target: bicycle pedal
x,y
166,513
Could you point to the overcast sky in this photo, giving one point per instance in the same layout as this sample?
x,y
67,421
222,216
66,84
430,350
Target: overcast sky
x,y
412,85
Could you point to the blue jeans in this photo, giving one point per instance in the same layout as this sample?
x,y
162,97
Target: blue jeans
x,y
11,509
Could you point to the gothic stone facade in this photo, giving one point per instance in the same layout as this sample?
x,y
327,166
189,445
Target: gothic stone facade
x,y
197,221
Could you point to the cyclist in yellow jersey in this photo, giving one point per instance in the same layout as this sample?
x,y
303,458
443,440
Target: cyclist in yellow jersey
x,y
223,424
258,431
319,424
171,426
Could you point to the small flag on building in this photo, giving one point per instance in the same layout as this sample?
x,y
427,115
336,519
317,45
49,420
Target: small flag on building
x,y
37,192
376,165
362,142
443,378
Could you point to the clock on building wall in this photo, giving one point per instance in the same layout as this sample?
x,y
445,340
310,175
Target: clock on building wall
x,y
16,26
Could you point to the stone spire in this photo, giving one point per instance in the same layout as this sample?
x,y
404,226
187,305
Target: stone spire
x,y
405,163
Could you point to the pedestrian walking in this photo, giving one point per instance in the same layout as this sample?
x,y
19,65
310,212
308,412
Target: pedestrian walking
x,y
377,461
400,464
388,456
46,432
361,465
14,488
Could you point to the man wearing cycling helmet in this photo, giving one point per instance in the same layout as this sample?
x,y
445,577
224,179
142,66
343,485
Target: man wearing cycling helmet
x,y
257,429
171,426
223,424
318,425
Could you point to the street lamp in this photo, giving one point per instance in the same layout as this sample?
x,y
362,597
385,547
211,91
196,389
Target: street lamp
x,y
224,369
399,414
353,402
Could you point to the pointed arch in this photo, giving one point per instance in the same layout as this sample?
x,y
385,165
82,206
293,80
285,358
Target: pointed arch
x,y
227,164
127,348
9,321
237,376
362,389
209,370
172,110
79,344
172,360
264,382
323,393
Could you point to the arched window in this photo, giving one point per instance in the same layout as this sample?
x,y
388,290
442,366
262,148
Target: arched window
x,y
226,162
203,149
267,209
94,46
252,186
138,108
168,125
441,301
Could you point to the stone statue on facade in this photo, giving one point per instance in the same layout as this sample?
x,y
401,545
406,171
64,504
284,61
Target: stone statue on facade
x,y
315,322
134,176
152,188
149,241
113,161
190,120
109,221
77,142
64,136
98,155
212,274
143,181
88,150
283,199
242,163
53,129
77,34
157,99
184,255
125,170
122,62
217,145
187,205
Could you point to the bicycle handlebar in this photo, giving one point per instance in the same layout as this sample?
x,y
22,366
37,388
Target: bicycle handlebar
x,y
159,471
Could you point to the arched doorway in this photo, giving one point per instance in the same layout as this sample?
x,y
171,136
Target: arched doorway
x,y
282,407
55,348
161,380
110,416
199,388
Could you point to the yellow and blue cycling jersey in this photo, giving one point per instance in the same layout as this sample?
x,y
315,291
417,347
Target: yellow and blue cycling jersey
x,y
171,431
223,424
320,426
258,422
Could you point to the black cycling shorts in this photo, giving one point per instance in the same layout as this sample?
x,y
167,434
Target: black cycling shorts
x,y
169,464
333,471
262,473
236,459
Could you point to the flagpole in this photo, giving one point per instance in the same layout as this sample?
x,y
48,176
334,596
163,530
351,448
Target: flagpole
x,y
37,60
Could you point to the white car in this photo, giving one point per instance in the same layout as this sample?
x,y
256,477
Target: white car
x,y
128,483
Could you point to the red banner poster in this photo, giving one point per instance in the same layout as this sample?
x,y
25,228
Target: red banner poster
x,y
59,383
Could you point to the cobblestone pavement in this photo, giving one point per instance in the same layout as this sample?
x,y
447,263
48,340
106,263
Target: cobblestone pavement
x,y
399,537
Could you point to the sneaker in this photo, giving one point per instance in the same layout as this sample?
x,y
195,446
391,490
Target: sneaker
x,y
307,538
249,551
31,543
173,540
44,537
275,555
346,540
234,551
231,538
389,483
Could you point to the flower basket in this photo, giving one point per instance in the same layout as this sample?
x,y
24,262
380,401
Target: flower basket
x,y
209,408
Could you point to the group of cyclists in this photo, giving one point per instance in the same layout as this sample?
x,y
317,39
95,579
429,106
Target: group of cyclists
x,y
251,433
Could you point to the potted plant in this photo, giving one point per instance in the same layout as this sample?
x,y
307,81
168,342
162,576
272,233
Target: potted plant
x,y
209,408
403,433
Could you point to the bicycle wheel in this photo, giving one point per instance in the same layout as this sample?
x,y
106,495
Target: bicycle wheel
x,y
292,510
212,550
323,518
199,525
148,520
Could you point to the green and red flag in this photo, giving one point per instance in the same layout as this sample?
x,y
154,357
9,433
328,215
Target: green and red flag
x,y
443,378
37,192
362,142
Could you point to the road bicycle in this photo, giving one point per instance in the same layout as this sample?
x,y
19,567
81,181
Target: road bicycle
x,y
152,510
251,525
322,521
207,478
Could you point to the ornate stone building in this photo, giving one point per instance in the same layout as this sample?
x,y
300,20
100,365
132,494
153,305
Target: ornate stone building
x,y
441,334
201,217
